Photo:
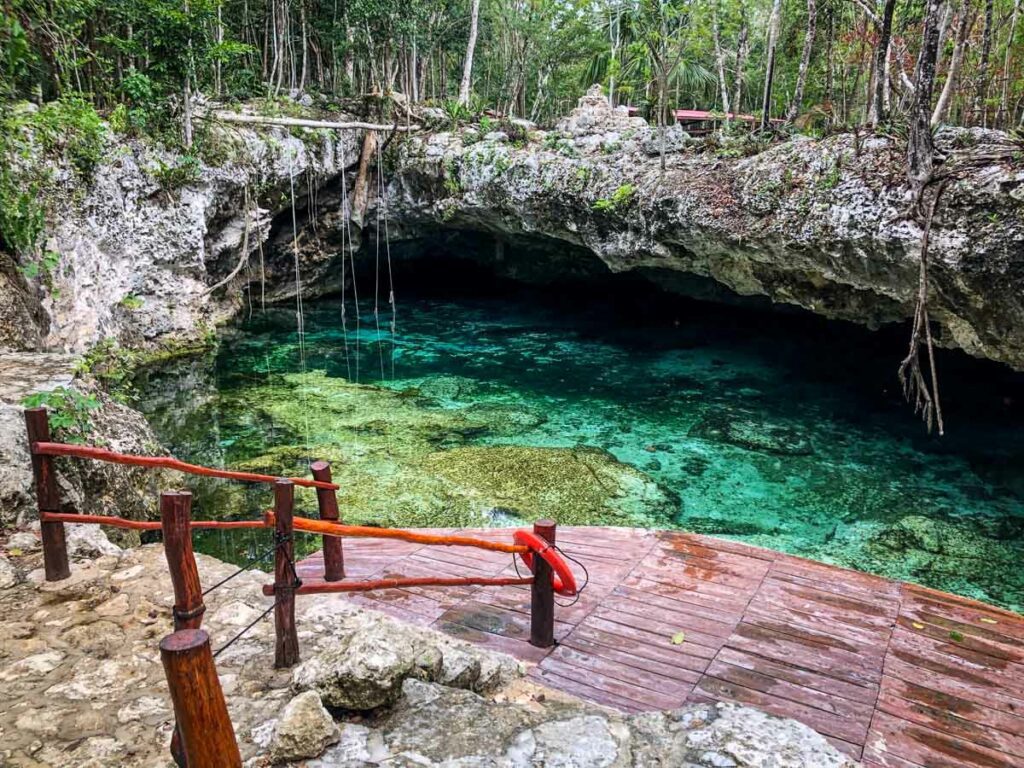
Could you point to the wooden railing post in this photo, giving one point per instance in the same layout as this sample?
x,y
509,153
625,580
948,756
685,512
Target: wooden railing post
x,y
542,593
176,522
206,735
55,548
286,651
327,501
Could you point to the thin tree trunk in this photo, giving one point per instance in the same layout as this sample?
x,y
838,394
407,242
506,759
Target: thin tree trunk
x,y
920,147
981,95
741,60
720,63
769,73
467,67
1003,117
805,61
966,21
878,113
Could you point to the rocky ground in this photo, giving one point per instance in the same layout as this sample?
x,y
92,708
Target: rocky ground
x,y
81,684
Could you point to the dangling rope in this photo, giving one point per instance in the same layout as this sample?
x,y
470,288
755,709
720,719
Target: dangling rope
x,y
376,265
346,242
300,317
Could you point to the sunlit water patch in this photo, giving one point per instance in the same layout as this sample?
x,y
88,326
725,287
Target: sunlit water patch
x,y
788,434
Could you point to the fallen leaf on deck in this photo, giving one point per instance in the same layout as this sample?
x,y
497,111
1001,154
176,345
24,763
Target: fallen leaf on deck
x,y
678,638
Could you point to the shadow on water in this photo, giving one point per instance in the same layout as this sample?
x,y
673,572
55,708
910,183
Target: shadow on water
x,y
610,402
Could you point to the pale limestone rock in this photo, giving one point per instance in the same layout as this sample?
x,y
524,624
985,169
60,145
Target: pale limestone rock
x,y
99,639
8,575
36,666
304,730
143,708
92,681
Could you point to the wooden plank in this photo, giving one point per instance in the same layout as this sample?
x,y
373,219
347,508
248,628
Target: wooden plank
x,y
520,649
644,699
858,714
650,685
629,655
695,657
815,634
960,662
664,626
584,691
690,591
975,637
844,609
862,637
937,717
818,681
668,657
946,676
891,736
784,648
711,621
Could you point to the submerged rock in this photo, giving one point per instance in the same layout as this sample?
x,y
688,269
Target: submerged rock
x,y
572,485
753,435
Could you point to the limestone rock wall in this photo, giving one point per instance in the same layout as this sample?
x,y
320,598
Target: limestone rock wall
x,y
816,223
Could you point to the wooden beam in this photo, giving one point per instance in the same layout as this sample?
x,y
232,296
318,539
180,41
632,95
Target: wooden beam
x,y
300,122
55,548
207,737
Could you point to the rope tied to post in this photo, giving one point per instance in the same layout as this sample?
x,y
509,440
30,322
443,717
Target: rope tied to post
x,y
279,544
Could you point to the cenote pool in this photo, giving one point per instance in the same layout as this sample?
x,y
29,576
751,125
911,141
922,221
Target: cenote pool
x,y
607,404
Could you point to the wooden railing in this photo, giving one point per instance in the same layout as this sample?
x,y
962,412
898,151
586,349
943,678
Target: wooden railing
x,y
203,736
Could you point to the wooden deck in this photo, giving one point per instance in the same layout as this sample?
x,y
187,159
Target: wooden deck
x,y
891,673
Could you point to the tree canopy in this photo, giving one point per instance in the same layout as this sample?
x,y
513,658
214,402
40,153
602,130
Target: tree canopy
x,y
831,62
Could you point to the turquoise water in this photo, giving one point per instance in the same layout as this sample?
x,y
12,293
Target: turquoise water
x,y
787,433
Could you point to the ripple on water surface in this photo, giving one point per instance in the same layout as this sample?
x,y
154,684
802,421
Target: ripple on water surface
x,y
784,434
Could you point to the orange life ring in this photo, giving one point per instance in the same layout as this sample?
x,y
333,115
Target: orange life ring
x,y
562,579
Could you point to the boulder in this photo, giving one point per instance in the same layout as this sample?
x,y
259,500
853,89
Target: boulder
x,y
366,670
304,730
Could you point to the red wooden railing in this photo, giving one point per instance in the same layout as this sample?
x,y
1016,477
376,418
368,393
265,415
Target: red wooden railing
x,y
203,736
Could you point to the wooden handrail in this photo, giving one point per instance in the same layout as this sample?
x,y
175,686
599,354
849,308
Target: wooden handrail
x,y
326,528
319,587
164,462
142,525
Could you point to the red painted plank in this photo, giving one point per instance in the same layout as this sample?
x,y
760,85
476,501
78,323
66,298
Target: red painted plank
x,y
818,681
584,691
891,736
628,655
935,715
600,681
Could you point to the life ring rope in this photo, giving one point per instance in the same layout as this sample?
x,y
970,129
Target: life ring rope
x,y
562,579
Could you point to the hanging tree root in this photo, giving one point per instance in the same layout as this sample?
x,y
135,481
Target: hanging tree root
x,y
922,391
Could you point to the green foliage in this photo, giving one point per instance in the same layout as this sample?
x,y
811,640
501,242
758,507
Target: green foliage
x,y
456,112
619,199
184,171
69,411
131,302
112,366
452,185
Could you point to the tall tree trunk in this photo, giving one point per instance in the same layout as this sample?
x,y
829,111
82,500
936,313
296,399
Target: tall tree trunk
x,y
769,72
741,60
966,21
805,62
467,67
720,63
305,45
980,111
920,148
1003,116
878,112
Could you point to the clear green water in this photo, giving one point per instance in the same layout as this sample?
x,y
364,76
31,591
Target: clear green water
x,y
784,433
